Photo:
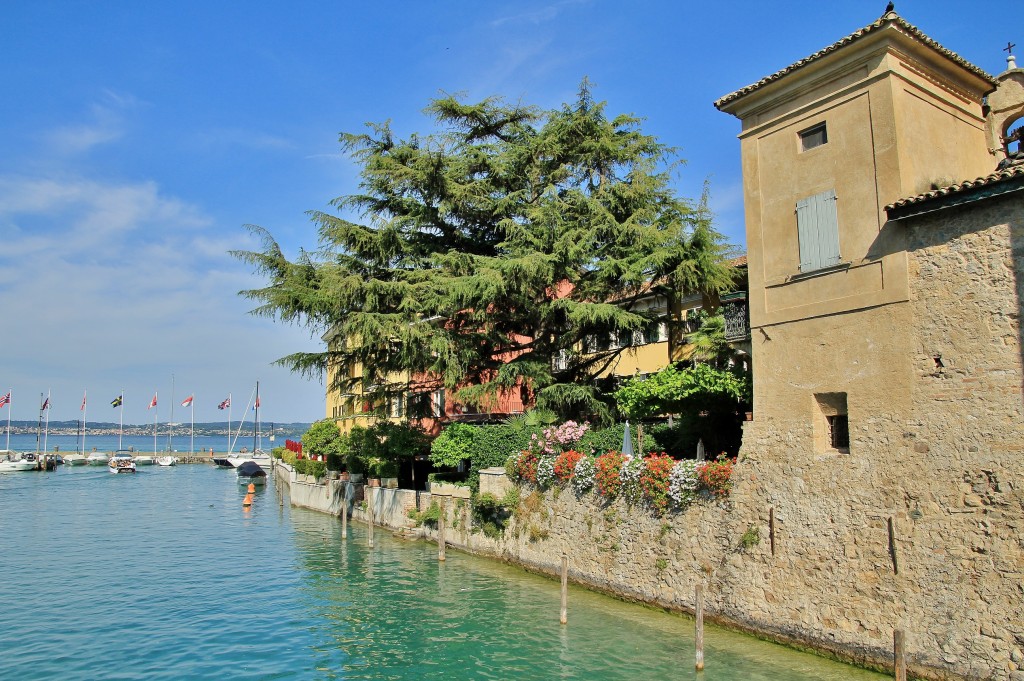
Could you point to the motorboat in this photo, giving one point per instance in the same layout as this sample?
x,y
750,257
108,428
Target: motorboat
x,y
167,460
145,460
121,462
11,461
259,457
250,471
75,459
222,461
97,459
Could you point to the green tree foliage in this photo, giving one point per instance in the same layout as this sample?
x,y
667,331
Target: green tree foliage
x,y
453,446
483,251
675,389
322,439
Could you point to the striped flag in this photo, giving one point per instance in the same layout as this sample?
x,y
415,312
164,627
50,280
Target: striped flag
x,y
187,401
46,405
153,403
83,401
225,404
257,405
5,400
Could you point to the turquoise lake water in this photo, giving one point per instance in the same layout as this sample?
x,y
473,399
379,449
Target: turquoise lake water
x,y
163,575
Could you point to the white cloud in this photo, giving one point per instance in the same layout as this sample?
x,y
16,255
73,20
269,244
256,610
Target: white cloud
x,y
540,15
118,282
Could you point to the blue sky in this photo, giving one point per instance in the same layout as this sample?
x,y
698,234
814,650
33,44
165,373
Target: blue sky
x,y
138,138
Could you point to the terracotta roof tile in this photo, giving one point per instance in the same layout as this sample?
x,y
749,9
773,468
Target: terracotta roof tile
x,y
1010,172
881,22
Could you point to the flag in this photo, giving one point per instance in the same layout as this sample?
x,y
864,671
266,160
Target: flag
x,y
46,405
83,401
5,400
257,405
117,401
225,404
187,401
153,403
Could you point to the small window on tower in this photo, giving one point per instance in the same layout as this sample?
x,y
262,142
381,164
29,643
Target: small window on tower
x,y
813,137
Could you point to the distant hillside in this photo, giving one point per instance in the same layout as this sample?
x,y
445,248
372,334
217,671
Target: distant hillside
x,y
287,430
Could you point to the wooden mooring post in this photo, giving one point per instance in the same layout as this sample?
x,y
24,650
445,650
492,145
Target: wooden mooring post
x,y
369,516
564,616
698,615
344,512
899,655
440,530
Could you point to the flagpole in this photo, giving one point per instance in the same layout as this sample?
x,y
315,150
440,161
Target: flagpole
x,y
192,442
229,423
170,424
120,429
46,433
85,419
10,408
39,425
155,406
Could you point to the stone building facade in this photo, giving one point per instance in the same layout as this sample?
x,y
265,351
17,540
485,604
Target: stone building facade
x,y
888,406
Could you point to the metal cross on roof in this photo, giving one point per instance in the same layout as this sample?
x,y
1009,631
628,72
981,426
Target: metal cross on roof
x,y
1009,47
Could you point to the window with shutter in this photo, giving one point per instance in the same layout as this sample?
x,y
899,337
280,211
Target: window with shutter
x,y
818,231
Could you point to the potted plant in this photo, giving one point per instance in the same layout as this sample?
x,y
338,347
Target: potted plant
x,y
389,474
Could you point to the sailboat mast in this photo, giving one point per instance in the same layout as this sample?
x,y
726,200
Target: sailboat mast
x,y
170,424
85,418
10,408
120,426
256,419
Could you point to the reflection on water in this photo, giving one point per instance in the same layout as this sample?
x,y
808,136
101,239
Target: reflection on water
x,y
163,575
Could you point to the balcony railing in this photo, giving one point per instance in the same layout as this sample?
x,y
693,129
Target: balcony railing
x,y
737,317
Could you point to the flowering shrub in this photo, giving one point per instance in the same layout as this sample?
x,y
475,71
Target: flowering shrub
x,y
654,480
553,440
608,466
583,475
545,471
569,433
716,476
682,483
526,466
565,463
630,474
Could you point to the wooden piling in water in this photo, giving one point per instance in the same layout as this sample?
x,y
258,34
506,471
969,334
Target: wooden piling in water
x,y
698,614
369,516
344,512
440,530
899,655
564,616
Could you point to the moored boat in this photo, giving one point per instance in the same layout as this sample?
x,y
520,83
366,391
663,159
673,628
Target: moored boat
x,y
259,457
97,459
167,460
250,471
75,459
121,462
145,460
11,461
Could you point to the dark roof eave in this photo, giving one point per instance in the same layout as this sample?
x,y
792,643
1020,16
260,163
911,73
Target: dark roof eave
x,y
932,202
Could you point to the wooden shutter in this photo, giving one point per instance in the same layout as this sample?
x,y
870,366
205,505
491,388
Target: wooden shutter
x,y
818,231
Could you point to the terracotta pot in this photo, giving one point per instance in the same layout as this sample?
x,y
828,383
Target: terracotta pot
x,y
344,476
374,482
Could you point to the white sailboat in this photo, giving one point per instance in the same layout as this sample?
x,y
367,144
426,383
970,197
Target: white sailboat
x,y
257,455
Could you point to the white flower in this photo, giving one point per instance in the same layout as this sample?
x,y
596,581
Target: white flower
x,y
583,475
545,471
630,474
682,483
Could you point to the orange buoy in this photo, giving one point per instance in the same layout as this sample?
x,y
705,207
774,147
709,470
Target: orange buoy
x,y
248,500
252,488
